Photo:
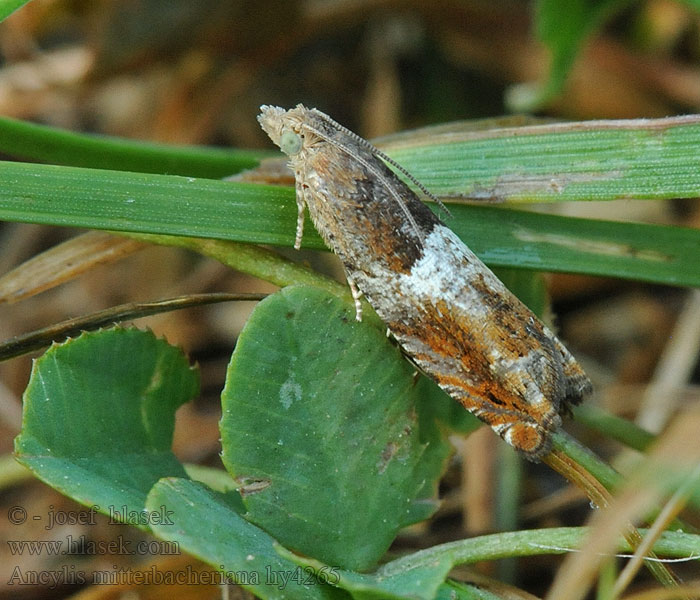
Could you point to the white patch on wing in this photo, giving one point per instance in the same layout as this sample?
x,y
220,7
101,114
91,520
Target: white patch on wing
x,y
444,271
507,436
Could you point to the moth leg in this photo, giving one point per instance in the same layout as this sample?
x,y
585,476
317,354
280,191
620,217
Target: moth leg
x,y
356,295
301,203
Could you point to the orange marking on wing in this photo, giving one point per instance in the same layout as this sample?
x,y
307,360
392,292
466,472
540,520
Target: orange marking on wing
x,y
464,369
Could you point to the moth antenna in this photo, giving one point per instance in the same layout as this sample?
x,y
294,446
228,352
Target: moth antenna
x,y
374,150
372,170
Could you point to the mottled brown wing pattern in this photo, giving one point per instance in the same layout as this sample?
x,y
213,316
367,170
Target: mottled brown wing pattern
x,y
449,313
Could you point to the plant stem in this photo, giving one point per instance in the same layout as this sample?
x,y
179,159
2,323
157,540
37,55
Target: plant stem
x,y
260,262
564,460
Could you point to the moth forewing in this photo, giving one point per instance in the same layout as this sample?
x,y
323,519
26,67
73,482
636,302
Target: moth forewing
x,y
450,314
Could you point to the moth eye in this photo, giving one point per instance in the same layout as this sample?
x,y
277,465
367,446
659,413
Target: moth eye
x,y
290,142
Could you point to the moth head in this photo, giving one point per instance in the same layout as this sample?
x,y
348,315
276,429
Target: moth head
x,y
283,127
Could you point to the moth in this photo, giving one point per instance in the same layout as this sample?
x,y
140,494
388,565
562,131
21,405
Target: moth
x,y
448,312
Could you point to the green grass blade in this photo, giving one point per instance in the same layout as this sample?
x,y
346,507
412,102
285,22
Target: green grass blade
x,y
614,427
145,203
563,28
593,160
589,160
655,253
430,562
7,7
48,144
